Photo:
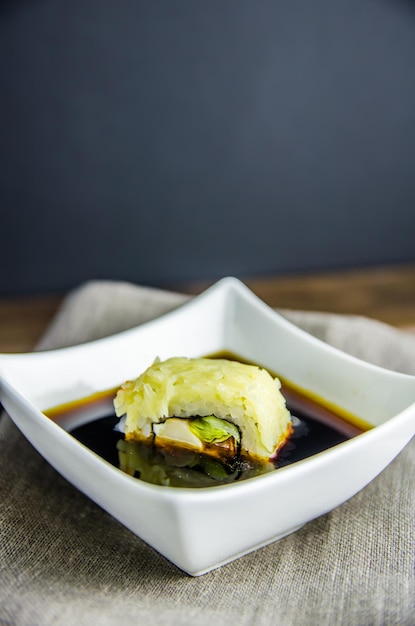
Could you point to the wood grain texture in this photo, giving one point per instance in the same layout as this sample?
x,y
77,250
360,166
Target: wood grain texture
x,y
386,294
24,319
383,293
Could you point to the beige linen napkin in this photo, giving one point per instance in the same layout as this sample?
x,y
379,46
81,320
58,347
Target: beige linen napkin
x,y
65,561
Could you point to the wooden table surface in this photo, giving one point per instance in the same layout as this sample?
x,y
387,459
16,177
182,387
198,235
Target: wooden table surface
x,y
383,293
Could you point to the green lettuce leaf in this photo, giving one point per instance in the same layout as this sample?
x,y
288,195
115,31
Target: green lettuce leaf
x,y
211,429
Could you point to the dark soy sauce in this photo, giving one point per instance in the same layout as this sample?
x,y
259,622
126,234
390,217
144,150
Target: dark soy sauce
x,y
316,429
100,437
317,426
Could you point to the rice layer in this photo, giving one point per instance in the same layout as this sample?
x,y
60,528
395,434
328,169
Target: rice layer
x,y
243,394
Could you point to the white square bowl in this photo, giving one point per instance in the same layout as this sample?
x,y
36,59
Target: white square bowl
x,y
231,519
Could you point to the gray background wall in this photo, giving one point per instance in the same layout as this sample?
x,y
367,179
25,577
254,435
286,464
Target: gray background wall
x,y
160,141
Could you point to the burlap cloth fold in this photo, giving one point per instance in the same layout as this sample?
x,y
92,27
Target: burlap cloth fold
x,y
64,561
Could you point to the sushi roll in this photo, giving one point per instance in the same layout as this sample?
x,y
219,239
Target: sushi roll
x,y
213,407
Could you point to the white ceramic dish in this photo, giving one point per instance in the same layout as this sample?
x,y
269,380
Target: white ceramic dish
x,y
200,529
